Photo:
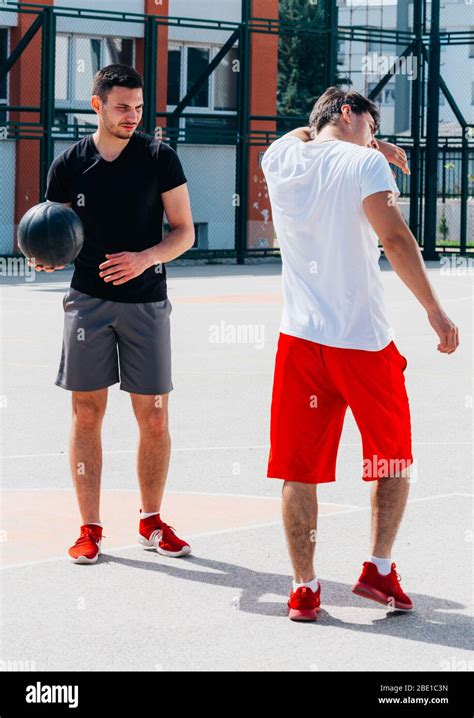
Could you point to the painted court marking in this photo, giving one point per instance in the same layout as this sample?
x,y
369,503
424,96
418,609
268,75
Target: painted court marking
x,y
49,519
222,448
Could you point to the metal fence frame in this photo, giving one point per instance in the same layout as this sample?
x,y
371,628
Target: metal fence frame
x,y
423,151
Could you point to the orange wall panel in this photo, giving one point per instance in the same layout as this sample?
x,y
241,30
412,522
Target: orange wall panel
x,y
161,9
263,101
25,89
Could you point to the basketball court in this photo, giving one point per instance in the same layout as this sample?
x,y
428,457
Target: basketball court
x,y
224,607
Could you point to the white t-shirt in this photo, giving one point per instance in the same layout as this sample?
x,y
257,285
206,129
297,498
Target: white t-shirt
x,y
332,288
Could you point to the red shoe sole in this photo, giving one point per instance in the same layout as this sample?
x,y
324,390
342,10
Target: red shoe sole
x,y
185,551
296,614
86,559
366,591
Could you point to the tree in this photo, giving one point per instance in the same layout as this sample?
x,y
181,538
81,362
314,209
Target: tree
x,y
301,60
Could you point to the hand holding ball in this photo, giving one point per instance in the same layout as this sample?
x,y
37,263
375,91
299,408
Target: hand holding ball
x,y
50,235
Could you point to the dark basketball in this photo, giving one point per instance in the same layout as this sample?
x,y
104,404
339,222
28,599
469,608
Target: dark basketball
x,y
51,234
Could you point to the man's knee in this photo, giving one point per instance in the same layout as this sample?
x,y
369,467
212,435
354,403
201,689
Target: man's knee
x,y
88,408
153,419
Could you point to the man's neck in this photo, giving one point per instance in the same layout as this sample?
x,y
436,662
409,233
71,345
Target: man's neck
x,y
326,136
108,145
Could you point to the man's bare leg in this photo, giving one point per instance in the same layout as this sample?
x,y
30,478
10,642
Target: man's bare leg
x,y
154,448
388,500
300,515
85,455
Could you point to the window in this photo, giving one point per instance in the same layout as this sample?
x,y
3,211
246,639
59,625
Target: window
x,y
78,58
387,94
3,83
62,70
376,45
198,60
214,106
225,84
86,63
174,76
384,49
186,63
118,50
212,130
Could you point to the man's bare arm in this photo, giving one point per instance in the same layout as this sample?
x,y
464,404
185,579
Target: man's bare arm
x,y
177,208
402,251
301,132
393,154
121,267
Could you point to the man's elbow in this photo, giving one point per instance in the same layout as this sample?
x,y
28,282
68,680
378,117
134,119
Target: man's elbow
x,y
397,241
190,235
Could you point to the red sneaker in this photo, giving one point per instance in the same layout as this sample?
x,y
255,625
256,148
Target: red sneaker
x,y
304,604
383,589
153,532
87,547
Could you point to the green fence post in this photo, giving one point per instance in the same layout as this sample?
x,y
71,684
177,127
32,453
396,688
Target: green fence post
x,y
241,214
149,66
332,37
416,123
48,57
464,189
432,120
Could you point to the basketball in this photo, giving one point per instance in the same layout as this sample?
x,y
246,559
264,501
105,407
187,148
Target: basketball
x,y
50,234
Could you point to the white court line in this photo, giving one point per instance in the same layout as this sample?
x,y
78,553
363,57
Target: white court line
x,y
137,545
441,496
222,448
227,531
185,493
236,496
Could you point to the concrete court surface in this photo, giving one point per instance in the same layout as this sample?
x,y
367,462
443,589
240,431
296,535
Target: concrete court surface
x,y
224,607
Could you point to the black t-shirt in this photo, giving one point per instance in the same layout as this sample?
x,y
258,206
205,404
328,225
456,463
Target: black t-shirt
x,y
121,208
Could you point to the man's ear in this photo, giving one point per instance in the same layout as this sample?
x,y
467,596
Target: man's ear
x,y
95,103
346,113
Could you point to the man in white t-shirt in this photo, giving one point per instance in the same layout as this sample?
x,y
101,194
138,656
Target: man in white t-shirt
x,y
333,196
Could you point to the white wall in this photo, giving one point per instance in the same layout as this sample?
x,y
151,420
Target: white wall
x,y
8,18
110,27
206,9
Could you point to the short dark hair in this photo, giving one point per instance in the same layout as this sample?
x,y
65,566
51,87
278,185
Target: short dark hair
x,y
112,75
327,109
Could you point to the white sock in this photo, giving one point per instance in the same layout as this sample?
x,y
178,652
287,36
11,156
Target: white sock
x,y
384,565
93,523
145,516
313,585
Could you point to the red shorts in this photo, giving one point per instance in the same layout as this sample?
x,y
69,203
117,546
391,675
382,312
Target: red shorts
x,y
313,386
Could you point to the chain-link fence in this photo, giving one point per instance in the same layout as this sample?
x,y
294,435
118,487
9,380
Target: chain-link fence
x,y
416,61
219,91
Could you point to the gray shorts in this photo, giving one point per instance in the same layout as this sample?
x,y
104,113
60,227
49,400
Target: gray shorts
x,y
100,336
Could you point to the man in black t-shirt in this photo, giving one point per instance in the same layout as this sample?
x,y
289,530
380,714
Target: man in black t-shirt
x,y
118,196
120,181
